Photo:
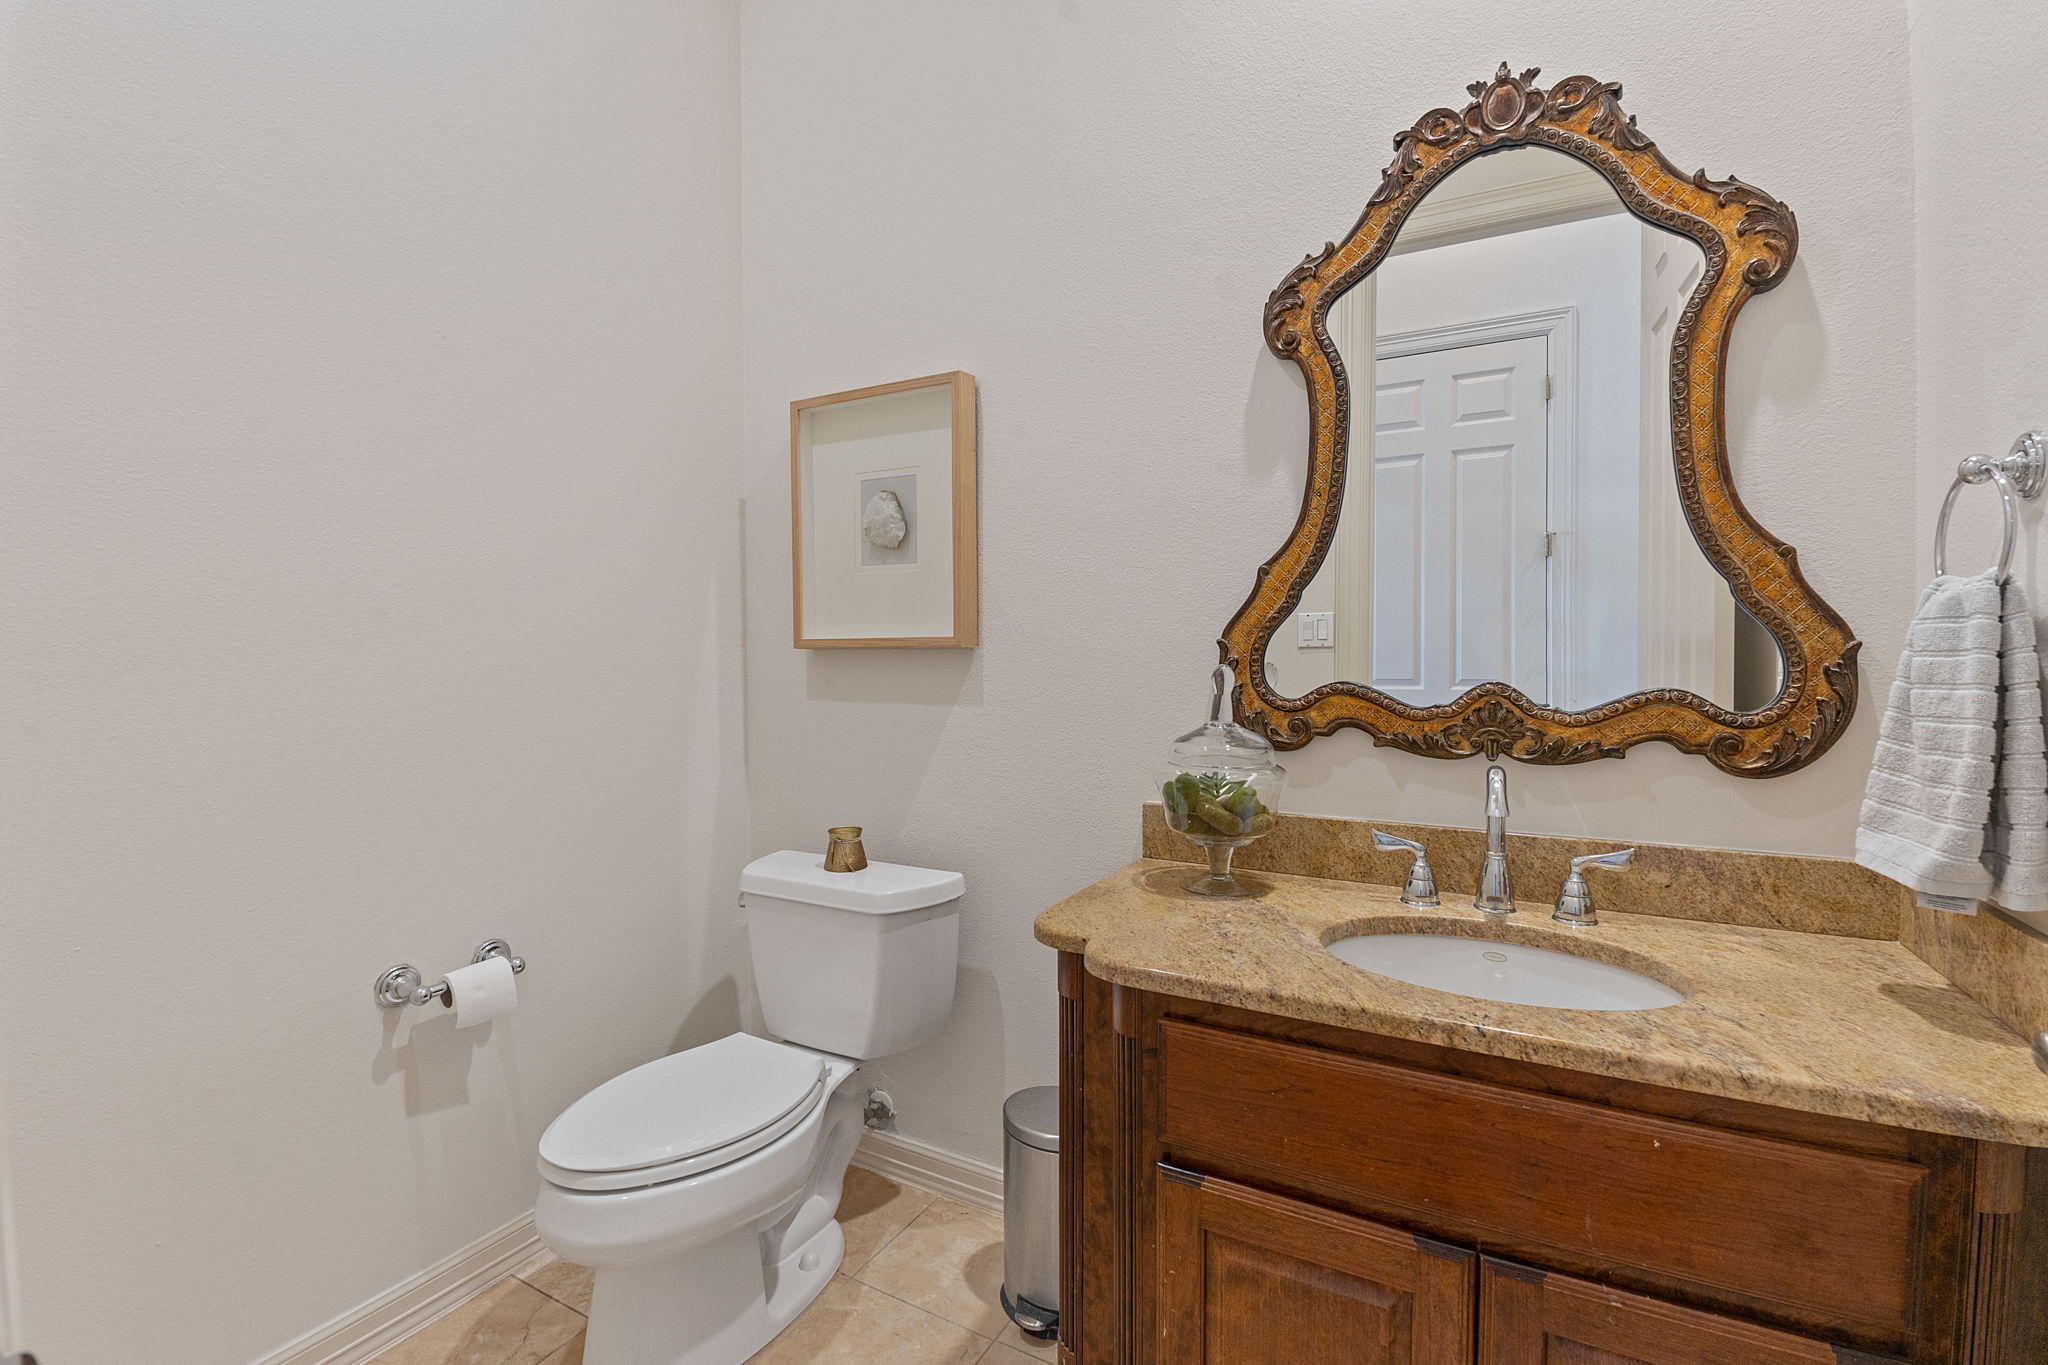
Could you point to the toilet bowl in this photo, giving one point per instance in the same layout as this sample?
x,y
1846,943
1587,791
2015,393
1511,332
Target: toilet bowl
x,y
701,1188
705,1262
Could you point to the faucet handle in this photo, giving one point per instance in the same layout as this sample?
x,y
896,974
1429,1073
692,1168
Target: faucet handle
x,y
1620,857
1575,901
1420,888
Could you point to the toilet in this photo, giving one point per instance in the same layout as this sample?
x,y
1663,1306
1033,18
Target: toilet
x,y
701,1187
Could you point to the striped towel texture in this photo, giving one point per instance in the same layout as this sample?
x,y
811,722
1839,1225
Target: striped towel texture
x,y
1957,805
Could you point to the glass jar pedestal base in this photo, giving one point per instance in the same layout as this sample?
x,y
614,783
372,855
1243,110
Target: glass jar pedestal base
x,y
1220,880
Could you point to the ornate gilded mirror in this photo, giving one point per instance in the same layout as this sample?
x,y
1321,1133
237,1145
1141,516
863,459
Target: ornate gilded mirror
x,y
1519,534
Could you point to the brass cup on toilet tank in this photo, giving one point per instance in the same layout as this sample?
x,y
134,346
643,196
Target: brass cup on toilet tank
x,y
844,853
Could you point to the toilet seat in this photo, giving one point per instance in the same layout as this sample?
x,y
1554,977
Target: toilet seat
x,y
682,1114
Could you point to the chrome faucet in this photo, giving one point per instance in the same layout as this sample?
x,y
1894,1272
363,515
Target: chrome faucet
x,y
1496,890
1575,901
1420,888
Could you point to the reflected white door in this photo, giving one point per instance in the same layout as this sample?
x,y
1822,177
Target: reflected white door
x,y
1460,517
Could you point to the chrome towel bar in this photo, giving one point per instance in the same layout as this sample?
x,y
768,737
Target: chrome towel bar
x,y
2019,474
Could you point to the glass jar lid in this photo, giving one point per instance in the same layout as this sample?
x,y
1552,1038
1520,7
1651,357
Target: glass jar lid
x,y
1220,744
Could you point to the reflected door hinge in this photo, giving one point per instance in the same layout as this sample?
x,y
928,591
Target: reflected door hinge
x,y
1549,544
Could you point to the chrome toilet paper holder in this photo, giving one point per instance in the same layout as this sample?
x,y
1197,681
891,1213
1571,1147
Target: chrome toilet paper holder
x,y
402,985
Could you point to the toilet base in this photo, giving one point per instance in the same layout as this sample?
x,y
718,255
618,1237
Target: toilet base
x,y
710,1297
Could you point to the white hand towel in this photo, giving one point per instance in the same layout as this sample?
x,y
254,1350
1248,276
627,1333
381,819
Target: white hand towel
x,y
1929,797
1957,805
2016,847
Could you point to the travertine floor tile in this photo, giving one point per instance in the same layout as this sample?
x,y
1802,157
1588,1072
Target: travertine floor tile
x,y
511,1323
534,1262
872,1210
851,1324
1030,1347
920,1289
999,1354
949,1261
572,1354
562,1281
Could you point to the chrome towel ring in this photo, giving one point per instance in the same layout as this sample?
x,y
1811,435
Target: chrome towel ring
x,y
2019,475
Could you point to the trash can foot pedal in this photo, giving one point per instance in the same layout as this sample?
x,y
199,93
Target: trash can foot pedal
x,y
1031,1320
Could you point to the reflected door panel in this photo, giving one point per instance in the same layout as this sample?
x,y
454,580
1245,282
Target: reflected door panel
x,y
1458,519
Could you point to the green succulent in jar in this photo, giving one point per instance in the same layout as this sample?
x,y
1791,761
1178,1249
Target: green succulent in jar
x,y
1215,806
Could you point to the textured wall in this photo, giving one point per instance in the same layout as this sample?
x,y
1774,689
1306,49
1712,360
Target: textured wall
x,y
1981,339
1086,206
1981,355
371,587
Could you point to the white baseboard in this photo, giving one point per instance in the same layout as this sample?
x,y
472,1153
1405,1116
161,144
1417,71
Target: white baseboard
x,y
360,1333
924,1167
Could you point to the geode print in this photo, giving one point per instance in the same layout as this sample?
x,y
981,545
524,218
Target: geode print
x,y
882,521
888,521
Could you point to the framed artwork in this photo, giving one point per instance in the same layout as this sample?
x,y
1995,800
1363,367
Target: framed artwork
x,y
882,511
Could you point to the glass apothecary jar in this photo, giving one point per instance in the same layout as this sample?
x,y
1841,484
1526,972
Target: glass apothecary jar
x,y
1221,789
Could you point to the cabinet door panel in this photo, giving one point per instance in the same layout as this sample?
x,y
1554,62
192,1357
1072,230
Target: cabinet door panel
x,y
1535,1317
1250,1278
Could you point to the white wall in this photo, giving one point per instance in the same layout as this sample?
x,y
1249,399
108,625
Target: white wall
x,y
371,587
1086,205
1982,335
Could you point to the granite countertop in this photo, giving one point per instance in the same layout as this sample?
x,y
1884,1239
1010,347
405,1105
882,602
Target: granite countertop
x,y
1853,1027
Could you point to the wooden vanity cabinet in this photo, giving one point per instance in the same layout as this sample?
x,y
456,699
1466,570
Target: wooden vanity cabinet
x,y
1243,1189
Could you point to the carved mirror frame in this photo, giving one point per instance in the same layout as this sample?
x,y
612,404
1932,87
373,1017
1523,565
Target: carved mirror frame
x,y
1749,239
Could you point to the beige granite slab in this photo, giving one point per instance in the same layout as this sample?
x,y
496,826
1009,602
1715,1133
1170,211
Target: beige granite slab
x,y
1999,961
1822,1023
1727,886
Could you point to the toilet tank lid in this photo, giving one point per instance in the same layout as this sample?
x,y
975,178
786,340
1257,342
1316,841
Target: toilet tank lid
x,y
877,889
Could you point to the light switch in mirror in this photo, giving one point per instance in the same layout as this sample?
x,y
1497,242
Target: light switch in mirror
x,y
1511,509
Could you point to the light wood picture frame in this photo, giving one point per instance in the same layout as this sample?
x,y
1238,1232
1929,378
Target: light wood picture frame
x,y
868,464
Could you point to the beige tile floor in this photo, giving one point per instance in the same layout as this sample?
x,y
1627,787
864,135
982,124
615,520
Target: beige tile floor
x,y
918,1287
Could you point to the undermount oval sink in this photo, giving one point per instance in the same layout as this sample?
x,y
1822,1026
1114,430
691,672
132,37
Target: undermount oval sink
x,y
1510,973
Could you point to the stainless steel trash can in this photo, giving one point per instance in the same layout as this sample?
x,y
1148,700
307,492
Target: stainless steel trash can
x,y
1031,1209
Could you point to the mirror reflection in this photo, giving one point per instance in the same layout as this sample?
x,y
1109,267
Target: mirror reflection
x,y
1511,511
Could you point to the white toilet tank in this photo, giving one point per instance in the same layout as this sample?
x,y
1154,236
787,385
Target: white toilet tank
x,y
860,964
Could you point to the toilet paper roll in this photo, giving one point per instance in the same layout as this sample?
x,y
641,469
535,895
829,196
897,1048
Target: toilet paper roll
x,y
482,991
